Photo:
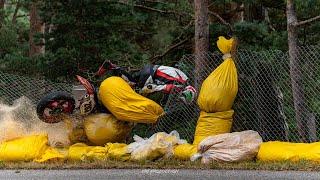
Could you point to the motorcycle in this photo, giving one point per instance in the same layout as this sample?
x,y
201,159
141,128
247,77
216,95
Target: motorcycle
x,y
54,106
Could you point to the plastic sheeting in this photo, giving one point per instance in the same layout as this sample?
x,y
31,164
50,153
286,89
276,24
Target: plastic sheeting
x,y
158,145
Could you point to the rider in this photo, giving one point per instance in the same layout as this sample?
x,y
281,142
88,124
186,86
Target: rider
x,y
151,78
154,78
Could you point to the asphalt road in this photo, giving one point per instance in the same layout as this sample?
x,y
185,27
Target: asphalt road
x,y
154,174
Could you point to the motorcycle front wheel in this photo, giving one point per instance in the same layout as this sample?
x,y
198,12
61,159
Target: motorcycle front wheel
x,y
52,107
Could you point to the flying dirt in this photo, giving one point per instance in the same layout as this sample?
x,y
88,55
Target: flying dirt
x,y
20,119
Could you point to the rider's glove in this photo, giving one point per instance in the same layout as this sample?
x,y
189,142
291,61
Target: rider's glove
x,y
188,94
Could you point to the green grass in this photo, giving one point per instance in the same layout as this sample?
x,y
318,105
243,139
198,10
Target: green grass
x,y
165,164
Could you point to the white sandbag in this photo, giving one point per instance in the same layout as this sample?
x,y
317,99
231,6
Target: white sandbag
x,y
229,147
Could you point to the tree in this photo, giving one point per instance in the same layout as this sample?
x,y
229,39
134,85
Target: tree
x,y
201,37
128,33
2,2
201,26
15,14
299,99
36,27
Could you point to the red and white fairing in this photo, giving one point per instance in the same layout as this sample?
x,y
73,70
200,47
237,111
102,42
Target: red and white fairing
x,y
165,79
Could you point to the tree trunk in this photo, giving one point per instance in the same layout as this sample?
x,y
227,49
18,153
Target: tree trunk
x,y
296,73
201,38
237,16
2,2
267,18
242,13
36,26
15,14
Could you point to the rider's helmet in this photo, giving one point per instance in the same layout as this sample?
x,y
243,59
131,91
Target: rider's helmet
x,y
117,71
85,101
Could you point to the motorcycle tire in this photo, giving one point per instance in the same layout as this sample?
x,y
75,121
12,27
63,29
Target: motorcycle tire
x,y
51,107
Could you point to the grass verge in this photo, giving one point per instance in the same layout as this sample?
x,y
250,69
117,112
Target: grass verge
x,y
164,164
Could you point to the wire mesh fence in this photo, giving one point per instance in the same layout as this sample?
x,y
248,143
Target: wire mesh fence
x,y
265,101
12,87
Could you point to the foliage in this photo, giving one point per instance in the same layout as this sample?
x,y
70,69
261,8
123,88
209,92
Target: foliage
x,y
82,38
8,40
133,33
14,40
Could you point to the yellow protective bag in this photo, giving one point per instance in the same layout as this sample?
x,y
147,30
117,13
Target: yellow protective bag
x,y
97,153
83,152
118,151
24,149
220,88
125,104
286,151
212,124
76,132
184,151
103,128
78,151
51,154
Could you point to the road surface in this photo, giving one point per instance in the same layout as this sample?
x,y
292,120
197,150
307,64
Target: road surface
x,y
154,174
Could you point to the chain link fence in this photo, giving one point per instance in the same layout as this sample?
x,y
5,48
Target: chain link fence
x,y
12,87
265,98
264,102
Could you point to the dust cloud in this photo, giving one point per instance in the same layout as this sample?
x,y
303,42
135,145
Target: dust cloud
x,y
20,119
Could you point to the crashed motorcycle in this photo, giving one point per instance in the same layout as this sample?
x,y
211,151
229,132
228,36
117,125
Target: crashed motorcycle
x,y
84,100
